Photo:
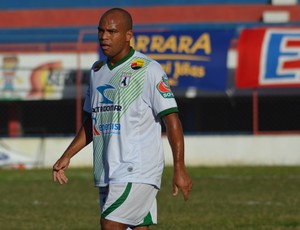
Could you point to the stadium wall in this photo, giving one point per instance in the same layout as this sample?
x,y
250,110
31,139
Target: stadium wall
x,y
225,150
143,16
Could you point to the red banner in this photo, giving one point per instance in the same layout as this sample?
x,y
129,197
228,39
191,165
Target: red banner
x,y
268,57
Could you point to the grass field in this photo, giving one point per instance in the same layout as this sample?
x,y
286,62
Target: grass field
x,y
222,198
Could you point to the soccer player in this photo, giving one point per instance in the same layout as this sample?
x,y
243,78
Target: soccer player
x,y
128,96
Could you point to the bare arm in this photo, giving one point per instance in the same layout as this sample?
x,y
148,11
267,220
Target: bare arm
x,y
82,139
181,180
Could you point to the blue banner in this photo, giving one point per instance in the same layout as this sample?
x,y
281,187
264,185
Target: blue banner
x,y
190,58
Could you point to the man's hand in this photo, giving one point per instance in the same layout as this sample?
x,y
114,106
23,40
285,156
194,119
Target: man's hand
x,y
59,170
181,181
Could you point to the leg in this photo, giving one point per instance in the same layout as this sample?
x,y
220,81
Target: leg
x,y
111,225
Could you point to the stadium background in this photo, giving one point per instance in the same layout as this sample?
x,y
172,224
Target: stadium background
x,y
35,29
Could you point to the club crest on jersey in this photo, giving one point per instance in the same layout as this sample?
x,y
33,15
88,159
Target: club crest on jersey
x,y
137,64
163,88
125,78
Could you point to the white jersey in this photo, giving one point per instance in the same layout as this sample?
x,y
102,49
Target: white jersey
x,y
126,102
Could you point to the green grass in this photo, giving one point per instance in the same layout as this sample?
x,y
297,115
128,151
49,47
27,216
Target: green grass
x,y
222,198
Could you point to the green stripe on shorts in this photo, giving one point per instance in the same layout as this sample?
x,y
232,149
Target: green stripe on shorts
x,y
118,202
147,220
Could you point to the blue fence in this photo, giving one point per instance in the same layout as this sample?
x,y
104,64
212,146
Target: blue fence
x,y
42,4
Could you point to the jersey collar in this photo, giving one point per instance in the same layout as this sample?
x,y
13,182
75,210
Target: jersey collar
x,y
129,55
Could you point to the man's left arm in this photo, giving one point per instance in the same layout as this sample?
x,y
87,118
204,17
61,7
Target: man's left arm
x,y
181,180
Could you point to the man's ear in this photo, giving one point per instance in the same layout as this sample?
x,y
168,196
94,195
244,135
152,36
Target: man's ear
x,y
129,35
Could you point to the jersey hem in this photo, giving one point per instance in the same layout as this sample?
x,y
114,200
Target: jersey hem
x,y
150,182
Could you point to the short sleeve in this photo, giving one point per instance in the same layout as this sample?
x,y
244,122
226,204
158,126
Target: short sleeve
x,y
157,92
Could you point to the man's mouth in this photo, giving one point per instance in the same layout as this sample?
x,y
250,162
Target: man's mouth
x,y
104,46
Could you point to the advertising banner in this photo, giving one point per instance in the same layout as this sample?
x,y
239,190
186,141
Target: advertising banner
x,y
13,159
268,57
40,76
189,58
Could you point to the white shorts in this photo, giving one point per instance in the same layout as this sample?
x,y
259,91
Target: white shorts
x,y
129,203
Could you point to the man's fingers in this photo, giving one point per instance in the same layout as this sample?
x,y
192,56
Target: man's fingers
x,y
184,189
175,190
187,190
64,179
58,171
185,194
54,175
60,176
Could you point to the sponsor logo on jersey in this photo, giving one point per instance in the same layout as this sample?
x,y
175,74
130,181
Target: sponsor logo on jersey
x,y
137,64
95,130
107,128
102,89
107,108
164,89
107,104
125,78
110,128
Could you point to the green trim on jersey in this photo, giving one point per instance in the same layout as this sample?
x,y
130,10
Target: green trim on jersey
x,y
124,59
168,111
118,202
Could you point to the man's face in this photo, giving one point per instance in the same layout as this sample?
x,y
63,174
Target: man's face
x,y
113,37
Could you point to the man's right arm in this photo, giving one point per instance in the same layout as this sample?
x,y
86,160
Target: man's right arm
x,y
82,139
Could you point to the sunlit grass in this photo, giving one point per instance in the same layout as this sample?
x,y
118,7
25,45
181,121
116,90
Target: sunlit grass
x,y
222,198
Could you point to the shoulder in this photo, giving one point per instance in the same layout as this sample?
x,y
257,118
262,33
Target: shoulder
x,y
147,61
97,65
139,55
